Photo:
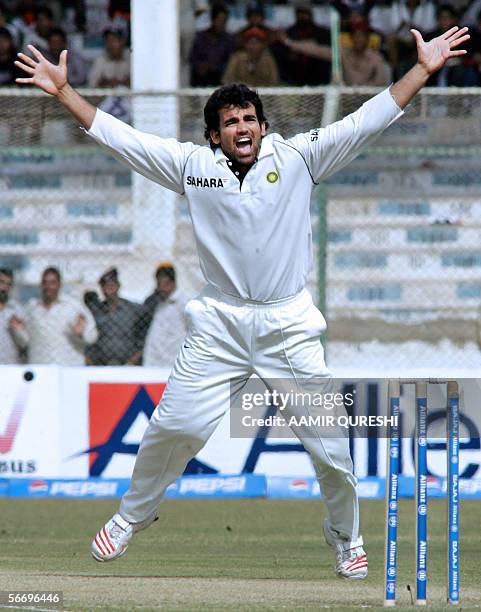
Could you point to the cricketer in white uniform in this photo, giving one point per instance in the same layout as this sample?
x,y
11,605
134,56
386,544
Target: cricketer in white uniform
x,y
248,195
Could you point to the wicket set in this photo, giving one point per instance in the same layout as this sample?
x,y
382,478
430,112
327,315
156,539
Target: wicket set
x,y
421,478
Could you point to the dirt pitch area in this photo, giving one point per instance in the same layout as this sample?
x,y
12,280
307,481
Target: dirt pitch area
x,y
220,555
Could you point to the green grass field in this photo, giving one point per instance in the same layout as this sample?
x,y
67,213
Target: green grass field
x,y
221,555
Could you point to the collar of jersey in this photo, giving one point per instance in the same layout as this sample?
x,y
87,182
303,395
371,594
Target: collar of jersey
x,y
266,149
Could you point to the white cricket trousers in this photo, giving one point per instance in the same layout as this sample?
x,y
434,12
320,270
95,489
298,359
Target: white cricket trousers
x,y
229,338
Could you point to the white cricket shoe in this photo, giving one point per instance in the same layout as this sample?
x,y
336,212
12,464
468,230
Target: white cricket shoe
x,y
351,558
112,540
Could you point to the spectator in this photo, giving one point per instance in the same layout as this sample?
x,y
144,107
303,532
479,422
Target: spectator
x,y
119,17
346,8
360,65
77,69
117,322
44,24
59,326
254,64
164,319
355,21
472,73
24,19
452,73
471,15
300,69
4,23
396,24
73,17
112,68
8,70
13,331
403,15
211,50
255,19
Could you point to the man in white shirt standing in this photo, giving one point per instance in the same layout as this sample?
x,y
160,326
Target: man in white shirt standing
x,y
13,332
59,326
112,68
164,319
248,195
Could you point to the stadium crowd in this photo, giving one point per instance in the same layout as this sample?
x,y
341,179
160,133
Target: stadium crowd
x,y
376,45
376,48
55,328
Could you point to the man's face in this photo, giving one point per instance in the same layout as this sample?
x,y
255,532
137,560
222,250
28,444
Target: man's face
x,y
5,44
254,47
114,45
6,283
239,134
56,44
165,286
44,24
304,17
359,41
446,21
50,287
219,21
110,289
255,19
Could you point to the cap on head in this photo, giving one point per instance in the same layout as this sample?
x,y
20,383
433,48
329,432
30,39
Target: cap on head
x,y
166,268
109,276
255,32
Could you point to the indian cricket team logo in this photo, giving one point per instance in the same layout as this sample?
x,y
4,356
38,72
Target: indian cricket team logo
x,y
394,452
272,177
392,521
391,588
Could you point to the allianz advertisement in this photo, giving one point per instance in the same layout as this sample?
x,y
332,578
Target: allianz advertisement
x,y
75,432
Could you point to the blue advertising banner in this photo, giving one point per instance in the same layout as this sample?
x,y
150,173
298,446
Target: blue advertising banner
x,y
205,486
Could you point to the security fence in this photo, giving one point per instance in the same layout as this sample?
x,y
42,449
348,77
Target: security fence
x,y
397,233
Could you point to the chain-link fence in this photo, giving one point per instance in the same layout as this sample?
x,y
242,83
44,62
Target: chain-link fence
x,y
397,246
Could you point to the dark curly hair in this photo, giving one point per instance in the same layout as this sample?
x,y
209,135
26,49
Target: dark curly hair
x,y
230,95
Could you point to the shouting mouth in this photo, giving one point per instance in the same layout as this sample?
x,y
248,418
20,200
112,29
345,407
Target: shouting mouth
x,y
244,145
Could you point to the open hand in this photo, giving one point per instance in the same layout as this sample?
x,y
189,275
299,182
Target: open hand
x,y
434,54
44,74
16,324
79,325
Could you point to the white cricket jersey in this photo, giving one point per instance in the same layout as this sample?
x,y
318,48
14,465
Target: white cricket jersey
x,y
254,240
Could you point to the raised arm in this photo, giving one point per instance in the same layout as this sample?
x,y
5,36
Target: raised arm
x,y
160,159
432,56
310,47
53,80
